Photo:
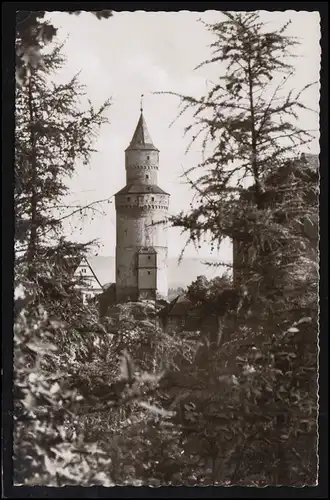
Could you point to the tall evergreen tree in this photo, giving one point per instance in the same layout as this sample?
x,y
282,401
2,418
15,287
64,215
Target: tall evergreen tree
x,y
251,188
52,135
248,120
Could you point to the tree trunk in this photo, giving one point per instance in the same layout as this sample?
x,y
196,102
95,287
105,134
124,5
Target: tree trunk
x,y
254,141
32,244
219,330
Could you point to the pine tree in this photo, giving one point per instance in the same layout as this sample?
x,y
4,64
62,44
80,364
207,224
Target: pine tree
x,y
52,135
253,188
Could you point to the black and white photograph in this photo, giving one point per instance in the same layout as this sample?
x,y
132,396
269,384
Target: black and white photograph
x,y
166,275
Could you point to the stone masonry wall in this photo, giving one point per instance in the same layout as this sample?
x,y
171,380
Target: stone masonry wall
x,y
136,229
141,167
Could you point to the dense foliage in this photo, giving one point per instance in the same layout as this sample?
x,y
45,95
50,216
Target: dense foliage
x,y
253,187
34,32
116,400
52,328
52,135
82,406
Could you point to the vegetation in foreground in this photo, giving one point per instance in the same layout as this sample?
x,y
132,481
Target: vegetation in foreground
x,y
118,401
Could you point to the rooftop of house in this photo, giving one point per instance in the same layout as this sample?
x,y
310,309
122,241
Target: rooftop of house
x,y
313,160
305,167
100,269
306,164
180,306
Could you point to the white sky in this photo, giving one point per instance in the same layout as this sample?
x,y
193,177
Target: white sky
x,y
143,52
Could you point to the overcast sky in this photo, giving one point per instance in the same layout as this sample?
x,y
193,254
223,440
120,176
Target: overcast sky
x,y
140,53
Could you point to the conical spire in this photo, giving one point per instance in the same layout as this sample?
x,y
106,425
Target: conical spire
x,y
141,138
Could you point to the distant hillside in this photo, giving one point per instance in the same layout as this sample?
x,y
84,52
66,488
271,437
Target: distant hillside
x,y
179,275
189,268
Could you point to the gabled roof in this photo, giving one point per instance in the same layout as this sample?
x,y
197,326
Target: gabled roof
x,y
85,261
147,250
180,306
141,138
93,273
312,161
141,189
100,268
305,167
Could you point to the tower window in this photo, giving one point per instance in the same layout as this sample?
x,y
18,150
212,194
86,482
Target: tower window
x,y
118,272
147,176
148,272
152,199
149,257
148,157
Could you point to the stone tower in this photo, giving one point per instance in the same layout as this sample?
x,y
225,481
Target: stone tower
x,y
141,243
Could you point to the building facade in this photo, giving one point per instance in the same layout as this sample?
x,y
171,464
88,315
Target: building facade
x,y
141,235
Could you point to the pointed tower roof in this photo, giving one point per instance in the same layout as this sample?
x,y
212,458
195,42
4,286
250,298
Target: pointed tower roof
x,y
141,138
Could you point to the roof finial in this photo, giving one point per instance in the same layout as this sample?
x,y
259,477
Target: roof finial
x,y
141,103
